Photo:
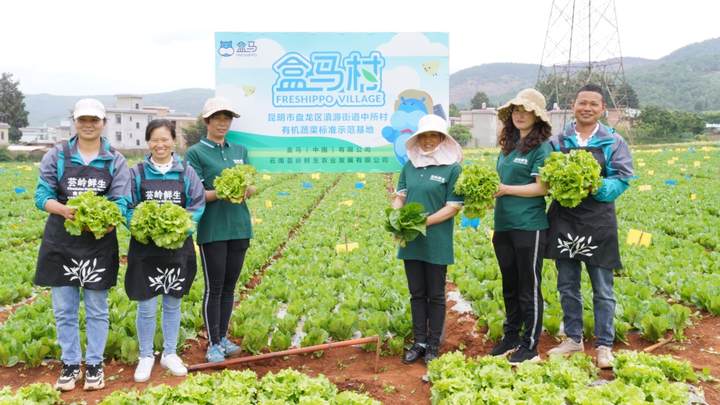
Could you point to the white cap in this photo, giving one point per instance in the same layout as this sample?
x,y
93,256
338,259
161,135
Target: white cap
x,y
432,123
215,104
89,107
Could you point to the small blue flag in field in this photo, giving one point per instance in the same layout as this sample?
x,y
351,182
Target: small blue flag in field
x,y
283,193
20,190
359,185
307,184
466,222
688,177
671,182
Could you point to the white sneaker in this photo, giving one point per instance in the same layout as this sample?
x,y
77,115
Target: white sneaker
x,y
174,364
144,368
567,347
605,357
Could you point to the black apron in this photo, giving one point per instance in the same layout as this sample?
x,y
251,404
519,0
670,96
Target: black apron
x,y
153,270
82,261
588,232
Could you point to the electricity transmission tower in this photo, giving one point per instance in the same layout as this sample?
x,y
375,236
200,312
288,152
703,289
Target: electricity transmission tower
x,y
582,45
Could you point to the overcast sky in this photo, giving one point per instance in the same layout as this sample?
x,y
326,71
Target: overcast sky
x,y
107,47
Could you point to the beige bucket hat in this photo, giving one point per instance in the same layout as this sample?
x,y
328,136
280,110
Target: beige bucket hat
x,y
531,100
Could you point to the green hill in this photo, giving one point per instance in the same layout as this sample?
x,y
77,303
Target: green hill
x,y
51,109
686,79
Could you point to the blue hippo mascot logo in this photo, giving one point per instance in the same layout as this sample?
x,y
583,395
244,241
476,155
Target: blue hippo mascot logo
x,y
410,106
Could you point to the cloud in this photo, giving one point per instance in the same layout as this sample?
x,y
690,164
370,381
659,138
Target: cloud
x,y
398,79
268,51
412,44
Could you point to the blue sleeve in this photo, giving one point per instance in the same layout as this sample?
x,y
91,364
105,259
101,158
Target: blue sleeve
x,y
135,195
195,194
619,170
48,180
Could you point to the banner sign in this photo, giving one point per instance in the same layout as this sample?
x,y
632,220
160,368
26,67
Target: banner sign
x,y
330,102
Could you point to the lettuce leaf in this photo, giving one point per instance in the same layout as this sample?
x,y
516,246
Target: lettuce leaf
x,y
477,185
232,182
406,223
93,213
571,176
165,224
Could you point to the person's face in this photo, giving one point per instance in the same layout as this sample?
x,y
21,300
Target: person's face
x,y
161,143
219,124
428,141
89,128
588,107
523,120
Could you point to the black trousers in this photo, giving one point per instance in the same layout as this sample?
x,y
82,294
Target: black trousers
x,y
426,282
222,262
519,255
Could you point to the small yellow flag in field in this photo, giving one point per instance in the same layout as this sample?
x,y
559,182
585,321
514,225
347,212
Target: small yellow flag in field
x,y
268,203
266,177
651,172
705,148
346,247
706,157
645,239
641,164
361,176
347,203
645,187
693,197
490,233
696,163
256,220
682,170
315,176
671,162
638,238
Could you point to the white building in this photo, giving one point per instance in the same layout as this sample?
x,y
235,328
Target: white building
x,y
4,134
126,122
39,135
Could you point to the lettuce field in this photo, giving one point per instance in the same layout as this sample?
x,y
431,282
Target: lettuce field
x,y
321,267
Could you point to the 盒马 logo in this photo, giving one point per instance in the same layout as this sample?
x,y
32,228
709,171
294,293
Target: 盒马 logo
x,y
246,47
226,48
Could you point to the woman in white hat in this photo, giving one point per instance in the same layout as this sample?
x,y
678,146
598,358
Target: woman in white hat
x,y
429,178
521,222
67,263
224,231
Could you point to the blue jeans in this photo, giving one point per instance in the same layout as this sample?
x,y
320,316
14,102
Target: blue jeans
x,y
66,304
571,300
145,323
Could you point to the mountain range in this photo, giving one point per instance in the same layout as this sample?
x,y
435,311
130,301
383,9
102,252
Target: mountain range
x,y
686,79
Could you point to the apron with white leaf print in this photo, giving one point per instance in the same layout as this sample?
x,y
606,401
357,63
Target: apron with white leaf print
x,y
153,270
587,232
82,261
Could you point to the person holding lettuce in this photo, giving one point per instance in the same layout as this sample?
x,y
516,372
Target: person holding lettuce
x,y
152,270
521,222
429,178
224,231
67,263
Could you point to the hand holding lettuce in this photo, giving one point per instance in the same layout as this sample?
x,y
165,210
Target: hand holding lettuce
x,y
571,176
167,225
232,183
478,186
406,223
93,213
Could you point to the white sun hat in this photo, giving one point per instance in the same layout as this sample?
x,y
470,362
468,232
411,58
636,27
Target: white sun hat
x,y
215,104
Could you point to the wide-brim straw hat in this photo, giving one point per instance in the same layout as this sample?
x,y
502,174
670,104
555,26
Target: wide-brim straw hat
x,y
531,100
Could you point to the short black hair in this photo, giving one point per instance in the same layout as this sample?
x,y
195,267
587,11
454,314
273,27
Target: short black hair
x,y
159,123
593,88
